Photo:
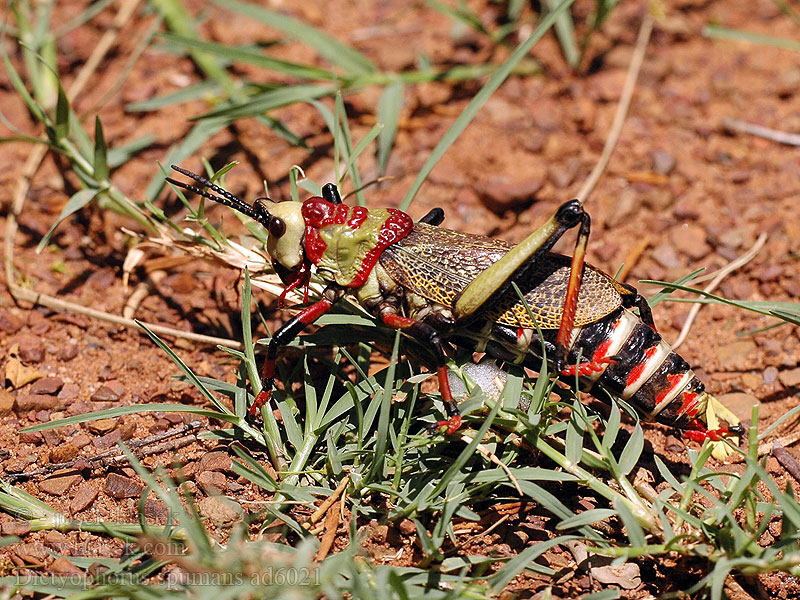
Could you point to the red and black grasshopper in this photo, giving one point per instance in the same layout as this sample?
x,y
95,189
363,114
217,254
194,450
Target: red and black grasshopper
x,y
442,287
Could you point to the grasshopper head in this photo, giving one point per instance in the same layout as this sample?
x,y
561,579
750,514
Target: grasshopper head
x,y
286,228
284,221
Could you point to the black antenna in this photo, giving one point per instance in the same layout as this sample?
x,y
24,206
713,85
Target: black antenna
x,y
225,197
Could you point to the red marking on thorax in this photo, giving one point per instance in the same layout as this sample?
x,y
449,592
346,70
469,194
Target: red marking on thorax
x,y
637,371
319,213
358,216
673,379
397,226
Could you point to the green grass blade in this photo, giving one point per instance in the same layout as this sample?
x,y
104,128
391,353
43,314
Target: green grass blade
x,y
385,412
634,530
632,451
247,333
516,565
349,59
119,411
76,202
84,16
197,91
465,118
265,101
587,517
665,293
715,31
121,154
253,57
199,135
101,172
565,32
575,433
612,426
19,87
62,114
193,379
389,107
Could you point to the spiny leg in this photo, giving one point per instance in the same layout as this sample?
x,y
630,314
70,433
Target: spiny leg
x,y
426,333
497,278
567,325
574,285
282,337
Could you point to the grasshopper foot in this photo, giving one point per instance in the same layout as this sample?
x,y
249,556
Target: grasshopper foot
x,y
261,399
587,368
452,425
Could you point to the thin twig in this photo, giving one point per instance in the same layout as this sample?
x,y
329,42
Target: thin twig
x,y
114,454
485,532
493,458
637,59
331,525
721,274
633,256
776,135
787,460
327,503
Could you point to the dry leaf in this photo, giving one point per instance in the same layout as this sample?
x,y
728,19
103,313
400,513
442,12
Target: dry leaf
x,y
18,374
626,575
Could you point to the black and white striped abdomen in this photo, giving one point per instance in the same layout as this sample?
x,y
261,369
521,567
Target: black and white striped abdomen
x,y
645,370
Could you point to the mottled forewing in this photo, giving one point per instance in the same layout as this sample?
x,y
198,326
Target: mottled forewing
x,y
438,264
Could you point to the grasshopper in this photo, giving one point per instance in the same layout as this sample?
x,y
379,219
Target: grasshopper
x,y
445,287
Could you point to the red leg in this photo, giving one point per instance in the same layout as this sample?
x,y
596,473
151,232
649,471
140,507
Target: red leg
x,y
282,337
587,368
699,433
426,333
574,285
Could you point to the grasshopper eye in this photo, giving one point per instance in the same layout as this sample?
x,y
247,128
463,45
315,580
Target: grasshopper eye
x,y
276,227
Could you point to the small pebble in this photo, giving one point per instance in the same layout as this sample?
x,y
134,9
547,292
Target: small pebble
x,y
790,378
663,162
9,324
104,394
63,453
47,385
118,486
102,426
36,402
59,484
690,239
769,273
665,255
85,495
740,404
215,461
31,348
69,351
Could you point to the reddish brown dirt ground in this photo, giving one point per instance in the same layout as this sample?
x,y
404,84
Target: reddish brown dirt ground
x,y
679,187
